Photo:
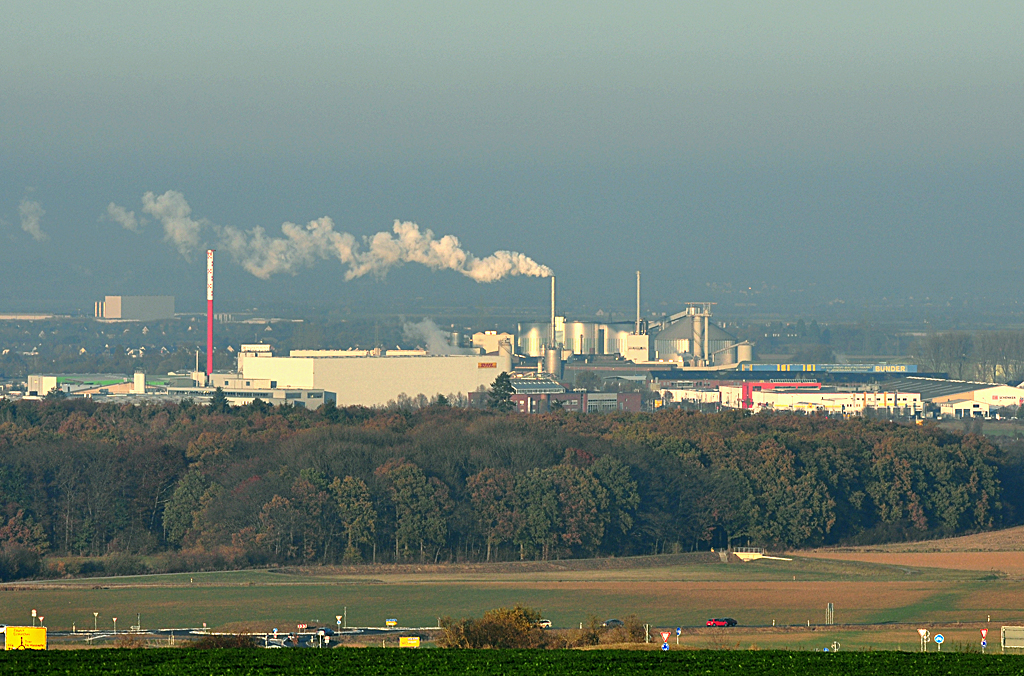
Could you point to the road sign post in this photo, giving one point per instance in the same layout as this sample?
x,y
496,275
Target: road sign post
x,y
924,639
984,643
679,630
939,638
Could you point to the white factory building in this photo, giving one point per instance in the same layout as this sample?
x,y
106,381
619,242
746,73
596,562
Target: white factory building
x,y
367,379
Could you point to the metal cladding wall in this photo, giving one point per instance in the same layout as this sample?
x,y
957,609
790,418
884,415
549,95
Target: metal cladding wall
x,y
374,381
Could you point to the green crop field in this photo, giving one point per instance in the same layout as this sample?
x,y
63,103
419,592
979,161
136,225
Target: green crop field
x,y
536,663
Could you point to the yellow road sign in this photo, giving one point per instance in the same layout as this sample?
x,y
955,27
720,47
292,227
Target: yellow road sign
x,y
25,638
408,641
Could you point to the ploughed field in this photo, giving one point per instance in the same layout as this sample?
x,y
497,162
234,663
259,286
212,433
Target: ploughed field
x,y
533,662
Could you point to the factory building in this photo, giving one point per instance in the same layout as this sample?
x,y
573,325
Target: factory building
x,y
373,380
490,341
135,308
688,338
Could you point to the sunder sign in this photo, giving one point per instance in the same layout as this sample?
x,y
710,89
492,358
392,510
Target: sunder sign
x,y
25,638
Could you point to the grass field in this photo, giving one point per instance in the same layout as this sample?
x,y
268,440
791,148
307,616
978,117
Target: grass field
x,y
665,591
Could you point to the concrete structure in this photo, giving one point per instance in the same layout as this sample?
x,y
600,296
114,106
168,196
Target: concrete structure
x,y
136,308
638,347
490,341
372,380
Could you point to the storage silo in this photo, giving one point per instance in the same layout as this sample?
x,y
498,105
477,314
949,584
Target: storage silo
x,y
697,347
725,356
744,353
553,362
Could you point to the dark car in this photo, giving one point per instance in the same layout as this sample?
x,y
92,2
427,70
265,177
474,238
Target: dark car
x,y
612,623
722,622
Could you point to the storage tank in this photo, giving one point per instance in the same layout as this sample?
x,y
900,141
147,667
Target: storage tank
x,y
744,353
697,348
581,337
726,356
456,339
505,350
532,337
553,362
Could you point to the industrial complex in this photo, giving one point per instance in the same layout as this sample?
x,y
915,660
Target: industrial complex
x,y
565,363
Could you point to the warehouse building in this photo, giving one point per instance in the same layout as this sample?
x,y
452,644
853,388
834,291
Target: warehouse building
x,y
373,380
135,308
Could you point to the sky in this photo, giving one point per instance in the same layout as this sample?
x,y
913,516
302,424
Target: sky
x,y
811,151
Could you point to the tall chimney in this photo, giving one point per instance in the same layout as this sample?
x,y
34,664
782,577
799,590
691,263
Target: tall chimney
x,y
209,313
638,302
551,344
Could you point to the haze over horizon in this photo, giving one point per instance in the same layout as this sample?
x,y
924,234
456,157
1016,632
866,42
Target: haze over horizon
x,y
847,153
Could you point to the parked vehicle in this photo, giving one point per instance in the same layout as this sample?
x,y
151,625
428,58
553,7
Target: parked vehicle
x,y
612,623
544,624
722,622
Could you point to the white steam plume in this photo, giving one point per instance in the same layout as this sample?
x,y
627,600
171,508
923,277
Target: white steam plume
x,y
302,245
126,218
436,341
174,214
31,219
264,256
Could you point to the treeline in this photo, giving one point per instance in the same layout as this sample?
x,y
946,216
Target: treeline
x,y
188,487
991,356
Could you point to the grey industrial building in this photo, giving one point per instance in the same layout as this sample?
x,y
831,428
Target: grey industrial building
x,y
135,308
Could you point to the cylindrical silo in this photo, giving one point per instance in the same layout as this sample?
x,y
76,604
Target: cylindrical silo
x,y
553,362
744,353
726,356
697,349
505,356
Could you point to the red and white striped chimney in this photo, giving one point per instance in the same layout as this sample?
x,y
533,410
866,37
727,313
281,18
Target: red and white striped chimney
x,y
209,312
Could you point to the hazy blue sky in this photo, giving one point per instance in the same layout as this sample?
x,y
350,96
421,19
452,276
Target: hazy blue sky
x,y
854,150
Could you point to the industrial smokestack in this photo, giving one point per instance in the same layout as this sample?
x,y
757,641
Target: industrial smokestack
x,y
209,313
638,302
551,341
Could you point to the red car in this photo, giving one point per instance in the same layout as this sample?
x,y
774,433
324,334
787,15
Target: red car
x,y
722,622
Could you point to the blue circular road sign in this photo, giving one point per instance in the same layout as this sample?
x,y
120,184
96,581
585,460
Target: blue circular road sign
x,y
939,638
664,646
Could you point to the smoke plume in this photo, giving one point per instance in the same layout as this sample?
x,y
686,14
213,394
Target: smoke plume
x,y
31,219
126,218
300,246
174,214
264,256
435,340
